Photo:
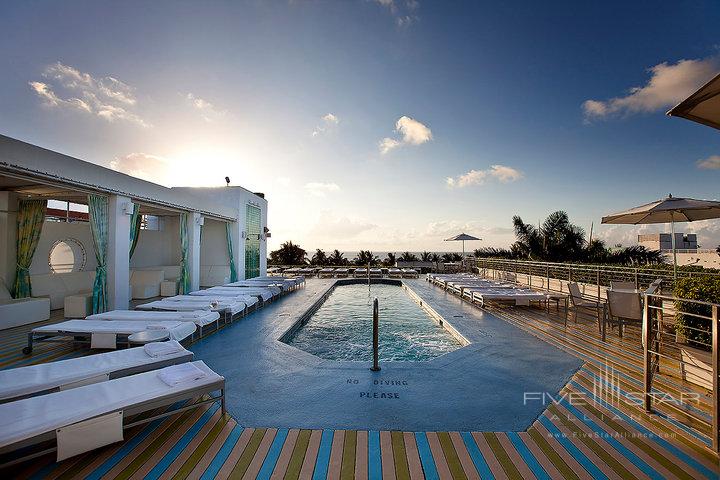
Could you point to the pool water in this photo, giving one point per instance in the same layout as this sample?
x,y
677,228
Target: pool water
x,y
341,329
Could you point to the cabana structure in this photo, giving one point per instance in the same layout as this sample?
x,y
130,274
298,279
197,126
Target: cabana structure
x,y
86,238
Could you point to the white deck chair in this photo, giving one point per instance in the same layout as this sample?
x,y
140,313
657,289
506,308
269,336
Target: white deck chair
x,y
85,418
249,300
264,294
226,308
17,383
86,331
201,318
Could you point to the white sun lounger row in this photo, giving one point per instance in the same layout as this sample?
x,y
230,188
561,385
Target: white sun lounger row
x,y
16,383
82,419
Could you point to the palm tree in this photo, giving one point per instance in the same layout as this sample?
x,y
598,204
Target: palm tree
x,y
451,257
365,257
337,258
555,240
408,257
435,258
288,254
319,258
425,256
390,260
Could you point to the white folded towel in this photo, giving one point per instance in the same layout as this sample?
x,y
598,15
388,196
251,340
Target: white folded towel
x,y
162,325
159,349
177,374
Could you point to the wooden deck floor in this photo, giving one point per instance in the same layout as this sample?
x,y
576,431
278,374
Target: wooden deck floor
x,y
587,432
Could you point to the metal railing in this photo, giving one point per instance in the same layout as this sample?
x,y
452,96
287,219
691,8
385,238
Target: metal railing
x,y
687,350
694,359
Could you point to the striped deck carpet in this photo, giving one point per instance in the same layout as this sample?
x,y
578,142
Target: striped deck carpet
x,y
583,434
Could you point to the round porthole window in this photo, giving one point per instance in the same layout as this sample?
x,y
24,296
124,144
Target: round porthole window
x,y
66,256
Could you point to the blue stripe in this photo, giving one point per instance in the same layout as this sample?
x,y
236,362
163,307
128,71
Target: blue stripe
x,y
177,449
212,471
323,457
426,457
610,438
570,447
528,456
272,456
374,458
476,455
656,438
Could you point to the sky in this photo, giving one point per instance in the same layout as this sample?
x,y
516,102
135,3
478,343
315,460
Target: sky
x,y
387,125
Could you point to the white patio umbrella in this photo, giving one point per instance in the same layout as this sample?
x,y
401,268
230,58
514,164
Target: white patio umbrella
x,y
702,106
462,237
668,210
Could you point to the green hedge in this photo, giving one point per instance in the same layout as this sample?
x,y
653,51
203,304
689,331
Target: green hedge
x,y
706,289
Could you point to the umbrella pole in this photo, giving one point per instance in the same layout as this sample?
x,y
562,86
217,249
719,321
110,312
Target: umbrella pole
x,y
463,258
672,240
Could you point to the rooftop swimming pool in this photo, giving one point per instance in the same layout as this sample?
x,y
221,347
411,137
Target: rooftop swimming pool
x,y
341,329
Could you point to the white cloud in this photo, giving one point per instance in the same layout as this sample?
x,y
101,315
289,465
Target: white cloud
x,y
143,165
402,10
318,189
708,232
710,163
105,97
668,85
501,173
207,110
412,132
328,121
332,227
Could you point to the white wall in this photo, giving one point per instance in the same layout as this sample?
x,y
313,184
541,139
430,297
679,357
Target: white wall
x,y
158,247
54,231
213,247
8,232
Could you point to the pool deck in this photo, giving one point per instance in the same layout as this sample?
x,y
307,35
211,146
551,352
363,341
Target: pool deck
x,y
597,438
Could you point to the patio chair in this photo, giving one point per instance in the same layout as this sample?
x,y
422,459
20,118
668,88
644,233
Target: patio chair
x,y
577,302
622,285
623,308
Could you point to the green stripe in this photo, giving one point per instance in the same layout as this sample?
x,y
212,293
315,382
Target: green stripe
x,y
200,450
579,434
246,458
298,455
156,444
552,454
402,470
631,437
347,471
502,457
451,456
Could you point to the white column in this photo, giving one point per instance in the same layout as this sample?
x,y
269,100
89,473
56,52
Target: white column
x,y
194,222
118,252
238,248
8,234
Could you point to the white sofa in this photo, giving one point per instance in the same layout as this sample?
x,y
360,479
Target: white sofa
x,y
57,286
146,283
169,286
214,275
21,311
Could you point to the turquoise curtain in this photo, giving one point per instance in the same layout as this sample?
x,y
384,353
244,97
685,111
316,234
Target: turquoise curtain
x,y
99,213
135,221
184,272
30,218
233,268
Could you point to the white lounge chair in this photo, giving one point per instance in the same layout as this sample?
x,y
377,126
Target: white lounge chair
x,y
281,285
409,273
326,272
249,300
341,272
108,333
82,419
17,383
395,273
200,318
376,273
360,273
517,297
264,294
226,308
